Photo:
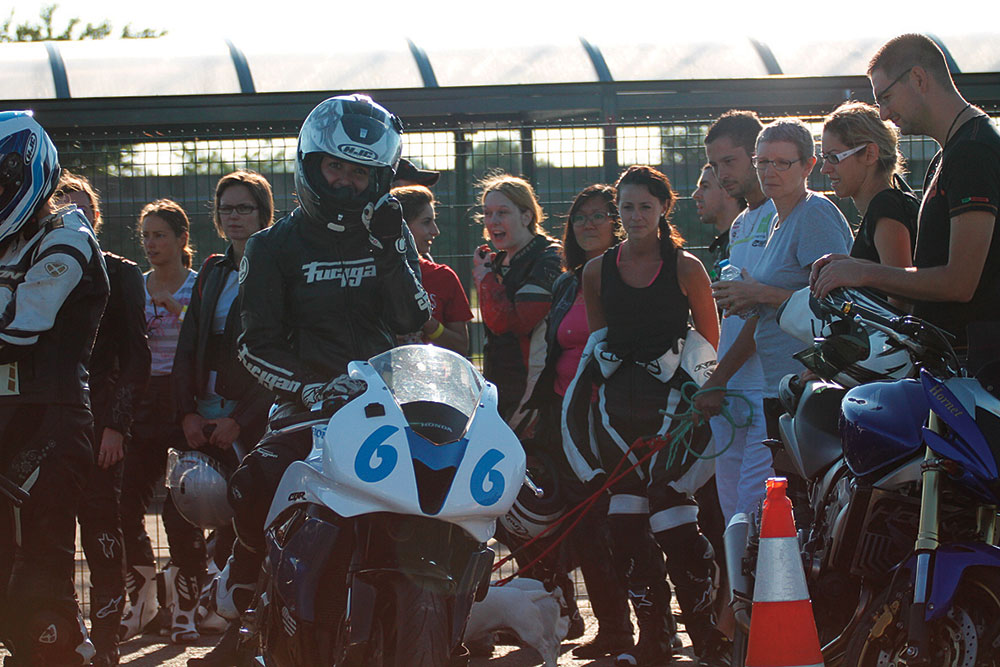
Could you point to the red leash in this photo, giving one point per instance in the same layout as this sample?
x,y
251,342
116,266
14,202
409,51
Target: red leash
x,y
655,444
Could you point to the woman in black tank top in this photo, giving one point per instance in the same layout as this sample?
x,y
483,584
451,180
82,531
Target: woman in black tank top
x,y
645,292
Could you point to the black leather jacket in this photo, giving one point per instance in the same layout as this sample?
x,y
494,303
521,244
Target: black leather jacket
x,y
119,364
54,288
564,291
191,368
314,299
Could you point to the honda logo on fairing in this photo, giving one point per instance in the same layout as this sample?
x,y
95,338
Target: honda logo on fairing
x,y
359,152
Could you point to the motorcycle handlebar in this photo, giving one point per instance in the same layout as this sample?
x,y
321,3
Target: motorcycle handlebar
x,y
853,309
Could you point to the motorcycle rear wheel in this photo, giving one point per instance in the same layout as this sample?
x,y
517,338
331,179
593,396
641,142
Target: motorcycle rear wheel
x,y
967,636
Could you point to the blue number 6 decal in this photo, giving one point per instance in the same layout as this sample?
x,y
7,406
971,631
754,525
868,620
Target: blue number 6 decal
x,y
484,473
372,446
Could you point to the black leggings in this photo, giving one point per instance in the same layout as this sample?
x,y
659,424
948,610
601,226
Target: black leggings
x,y
155,430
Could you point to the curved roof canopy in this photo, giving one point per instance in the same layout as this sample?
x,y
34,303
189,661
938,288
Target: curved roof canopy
x,y
170,66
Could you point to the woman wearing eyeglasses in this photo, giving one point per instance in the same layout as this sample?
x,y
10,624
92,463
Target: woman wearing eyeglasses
x,y
220,403
806,226
164,230
592,226
861,157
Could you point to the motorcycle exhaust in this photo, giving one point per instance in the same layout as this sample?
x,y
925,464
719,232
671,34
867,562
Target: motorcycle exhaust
x,y
740,586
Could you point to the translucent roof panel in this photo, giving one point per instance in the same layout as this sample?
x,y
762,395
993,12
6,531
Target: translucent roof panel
x,y
25,72
671,59
973,52
561,61
295,67
847,57
145,67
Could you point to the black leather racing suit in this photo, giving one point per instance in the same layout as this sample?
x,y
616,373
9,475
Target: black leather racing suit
x,y
119,371
313,300
54,287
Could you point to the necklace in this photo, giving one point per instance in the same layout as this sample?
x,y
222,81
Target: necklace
x,y
957,116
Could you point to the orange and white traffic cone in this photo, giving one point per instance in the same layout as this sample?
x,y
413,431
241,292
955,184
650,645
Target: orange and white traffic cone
x,y
782,627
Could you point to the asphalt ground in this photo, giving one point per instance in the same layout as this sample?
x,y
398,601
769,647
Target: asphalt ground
x,y
152,650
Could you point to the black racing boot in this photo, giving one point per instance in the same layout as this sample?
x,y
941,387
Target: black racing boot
x,y
654,646
606,642
692,568
105,619
225,653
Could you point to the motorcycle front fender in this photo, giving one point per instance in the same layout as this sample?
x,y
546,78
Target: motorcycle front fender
x,y
949,566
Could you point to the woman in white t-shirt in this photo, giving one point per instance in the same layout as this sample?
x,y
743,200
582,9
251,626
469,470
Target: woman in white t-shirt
x,y
164,229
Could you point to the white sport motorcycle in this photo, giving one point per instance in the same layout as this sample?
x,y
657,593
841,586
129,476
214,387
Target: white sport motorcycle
x,y
376,542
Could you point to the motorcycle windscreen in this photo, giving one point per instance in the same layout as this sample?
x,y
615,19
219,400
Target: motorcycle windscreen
x,y
881,423
427,374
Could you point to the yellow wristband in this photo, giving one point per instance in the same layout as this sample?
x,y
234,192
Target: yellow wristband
x,y
434,335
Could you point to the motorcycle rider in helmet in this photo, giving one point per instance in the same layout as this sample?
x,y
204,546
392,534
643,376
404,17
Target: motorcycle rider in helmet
x,y
327,284
55,288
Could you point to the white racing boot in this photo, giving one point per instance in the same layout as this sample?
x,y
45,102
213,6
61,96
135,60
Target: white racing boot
x,y
140,583
231,597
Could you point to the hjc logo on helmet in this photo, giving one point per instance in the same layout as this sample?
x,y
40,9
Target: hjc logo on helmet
x,y
359,152
29,150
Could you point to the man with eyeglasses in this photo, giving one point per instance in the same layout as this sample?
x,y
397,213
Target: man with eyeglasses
x,y
955,283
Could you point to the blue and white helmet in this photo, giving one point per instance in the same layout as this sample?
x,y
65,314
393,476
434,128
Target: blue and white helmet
x,y
355,129
29,170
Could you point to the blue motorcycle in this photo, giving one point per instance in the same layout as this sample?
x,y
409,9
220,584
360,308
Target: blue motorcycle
x,y
939,603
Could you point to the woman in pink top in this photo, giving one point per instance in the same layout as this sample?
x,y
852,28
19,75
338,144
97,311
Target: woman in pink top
x,y
592,226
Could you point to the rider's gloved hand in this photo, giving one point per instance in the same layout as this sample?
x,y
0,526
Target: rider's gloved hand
x,y
384,222
341,389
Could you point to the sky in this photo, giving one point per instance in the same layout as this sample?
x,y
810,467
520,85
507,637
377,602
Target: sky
x,y
511,21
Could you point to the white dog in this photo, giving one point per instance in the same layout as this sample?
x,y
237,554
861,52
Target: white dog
x,y
524,608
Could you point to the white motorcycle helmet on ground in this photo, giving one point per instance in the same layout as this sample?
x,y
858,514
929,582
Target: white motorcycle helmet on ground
x,y
354,129
843,350
29,170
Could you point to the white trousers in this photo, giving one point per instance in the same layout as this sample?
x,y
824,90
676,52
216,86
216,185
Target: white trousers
x,y
741,472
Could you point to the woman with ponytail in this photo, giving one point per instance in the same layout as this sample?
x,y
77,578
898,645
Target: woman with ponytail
x,y
642,297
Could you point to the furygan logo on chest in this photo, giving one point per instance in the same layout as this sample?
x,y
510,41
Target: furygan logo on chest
x,y
350,274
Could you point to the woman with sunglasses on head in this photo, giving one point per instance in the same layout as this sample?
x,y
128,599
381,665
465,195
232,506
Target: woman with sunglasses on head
x,y
223,408
119,371
164,230
642,297
861,157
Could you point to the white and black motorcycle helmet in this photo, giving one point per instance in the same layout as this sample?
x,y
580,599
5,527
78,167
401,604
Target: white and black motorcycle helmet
x,y
198,485
531,515
843,350
29,170
354,129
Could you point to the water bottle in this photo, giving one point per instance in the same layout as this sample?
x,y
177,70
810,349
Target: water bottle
x,y
729,272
